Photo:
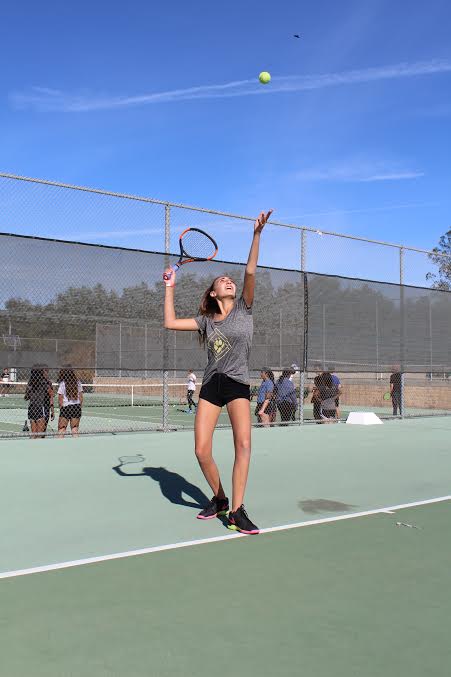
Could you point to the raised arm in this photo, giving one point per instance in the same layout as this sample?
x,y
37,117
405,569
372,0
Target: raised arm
x,y
251,267
170,320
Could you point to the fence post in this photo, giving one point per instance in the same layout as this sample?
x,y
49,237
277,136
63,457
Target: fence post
x,y
280,340
302,365
95,353
303,249
431,353
146,375
120,349
376,318
403,338
167,247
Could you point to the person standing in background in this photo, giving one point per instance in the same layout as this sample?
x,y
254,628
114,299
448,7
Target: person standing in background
x,y
286,399
336,382
294,369
327,391
316,399
70,400
266,406
4,387
37,393
191,389
395,391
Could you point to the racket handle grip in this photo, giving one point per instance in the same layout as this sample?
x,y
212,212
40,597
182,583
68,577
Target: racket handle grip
x,y
167,276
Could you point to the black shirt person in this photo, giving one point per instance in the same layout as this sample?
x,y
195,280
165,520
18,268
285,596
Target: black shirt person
x,y
395,392
37,394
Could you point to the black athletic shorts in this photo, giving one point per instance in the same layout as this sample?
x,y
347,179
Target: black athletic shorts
x,y
36,412
222,389
71,411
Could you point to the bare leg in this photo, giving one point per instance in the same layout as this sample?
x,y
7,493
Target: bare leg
x,y
74,423
34,430
264,418
62,425
240,416
207,415
40,429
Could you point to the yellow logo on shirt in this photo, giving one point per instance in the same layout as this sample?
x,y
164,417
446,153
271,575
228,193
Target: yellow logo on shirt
x,y
218,344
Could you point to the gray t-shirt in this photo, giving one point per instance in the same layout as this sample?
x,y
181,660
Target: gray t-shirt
x,y
229,343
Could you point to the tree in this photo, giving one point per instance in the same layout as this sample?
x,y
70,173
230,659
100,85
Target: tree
x,y
441,257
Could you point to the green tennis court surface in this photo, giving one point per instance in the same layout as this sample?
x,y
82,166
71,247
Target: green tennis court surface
x,y
344,595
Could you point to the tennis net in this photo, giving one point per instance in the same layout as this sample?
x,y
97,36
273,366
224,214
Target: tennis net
x,y
12,395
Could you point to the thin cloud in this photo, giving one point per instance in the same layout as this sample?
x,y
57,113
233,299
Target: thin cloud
x,y
44,99
359,174
387,208
392,176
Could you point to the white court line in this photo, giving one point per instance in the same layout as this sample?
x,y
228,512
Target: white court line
x,y
215,539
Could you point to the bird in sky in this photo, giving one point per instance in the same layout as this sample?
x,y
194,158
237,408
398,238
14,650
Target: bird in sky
x,y
296,35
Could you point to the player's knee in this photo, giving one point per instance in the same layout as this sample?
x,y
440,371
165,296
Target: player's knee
x,y
203,454
243,447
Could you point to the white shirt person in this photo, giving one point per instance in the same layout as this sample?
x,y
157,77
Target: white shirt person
x,y
70,400
191,389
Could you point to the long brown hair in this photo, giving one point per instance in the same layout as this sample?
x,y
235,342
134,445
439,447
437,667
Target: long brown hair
x,y
209,306
269,373
36,379
67,374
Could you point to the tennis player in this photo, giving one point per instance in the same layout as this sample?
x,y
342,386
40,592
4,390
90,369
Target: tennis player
x,y
37,392
70,400
225,326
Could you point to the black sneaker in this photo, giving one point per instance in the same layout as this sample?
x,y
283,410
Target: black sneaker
x,y
239,521
217,506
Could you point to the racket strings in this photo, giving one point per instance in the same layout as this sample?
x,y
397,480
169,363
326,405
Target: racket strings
x,y
197,245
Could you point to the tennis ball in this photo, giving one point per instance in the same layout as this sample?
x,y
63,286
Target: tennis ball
x,y
264,77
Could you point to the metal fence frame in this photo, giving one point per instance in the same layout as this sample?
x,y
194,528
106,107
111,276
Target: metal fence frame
x,y
303,258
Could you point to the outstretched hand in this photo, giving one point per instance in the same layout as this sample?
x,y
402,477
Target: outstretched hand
x,y
261,220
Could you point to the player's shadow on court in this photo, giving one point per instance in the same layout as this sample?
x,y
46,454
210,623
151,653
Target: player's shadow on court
x,y
172,485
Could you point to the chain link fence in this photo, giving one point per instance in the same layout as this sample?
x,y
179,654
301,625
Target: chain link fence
x,y
99,308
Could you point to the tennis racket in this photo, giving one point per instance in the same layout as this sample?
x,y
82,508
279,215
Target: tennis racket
x,y
195,245
25,428
387,397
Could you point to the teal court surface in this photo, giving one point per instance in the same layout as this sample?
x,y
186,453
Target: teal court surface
x,y
104,570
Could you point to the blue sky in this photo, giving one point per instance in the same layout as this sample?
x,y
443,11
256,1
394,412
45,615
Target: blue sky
x,y
162,99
